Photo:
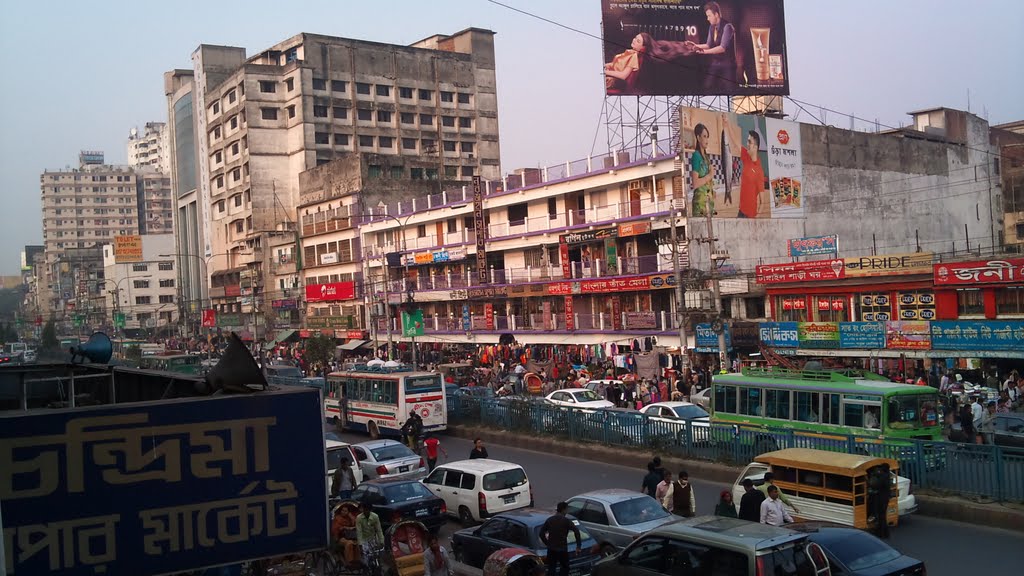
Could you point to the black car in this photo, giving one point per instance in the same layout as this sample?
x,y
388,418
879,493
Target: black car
x,y
398,499
1008,431
857,553
519,529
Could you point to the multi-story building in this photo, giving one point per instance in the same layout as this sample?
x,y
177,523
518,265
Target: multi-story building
x,y
155,202
1009,140
144,289
261,121
151,149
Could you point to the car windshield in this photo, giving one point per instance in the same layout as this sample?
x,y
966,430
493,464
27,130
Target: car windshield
x,y
637,511
504,479
406,492
913,411
587,396
858,550
571,538
690,412
391,452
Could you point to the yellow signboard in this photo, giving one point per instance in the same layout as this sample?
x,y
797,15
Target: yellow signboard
x,y
889,264
127,248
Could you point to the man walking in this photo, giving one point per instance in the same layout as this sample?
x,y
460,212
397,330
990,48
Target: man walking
x,y
768,483
680,499
772,510
555,535
650,482
432,445
879,494
750,503
662,488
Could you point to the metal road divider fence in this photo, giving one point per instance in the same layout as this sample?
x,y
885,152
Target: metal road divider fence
x,y
971,470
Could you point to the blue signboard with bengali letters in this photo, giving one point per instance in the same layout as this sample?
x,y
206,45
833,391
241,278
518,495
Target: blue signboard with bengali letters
x,y
706,339
779,334
978,335
813,246
869,335
163,487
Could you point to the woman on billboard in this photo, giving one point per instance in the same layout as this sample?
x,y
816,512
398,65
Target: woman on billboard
x,y
622,75
702,174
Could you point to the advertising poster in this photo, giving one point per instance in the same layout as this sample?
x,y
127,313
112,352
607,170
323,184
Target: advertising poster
x,y
127,248
889,265
694,47
978,335
706,339
866,335
779,334
813,246
824,335
785,168
901,335
209,318
570,316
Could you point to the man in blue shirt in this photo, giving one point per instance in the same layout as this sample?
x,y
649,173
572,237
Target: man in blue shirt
x,y
721,49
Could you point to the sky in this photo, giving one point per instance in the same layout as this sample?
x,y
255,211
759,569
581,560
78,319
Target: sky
x,y
81,75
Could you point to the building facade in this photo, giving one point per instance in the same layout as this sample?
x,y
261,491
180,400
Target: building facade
x,y
155,202
143,289
151,148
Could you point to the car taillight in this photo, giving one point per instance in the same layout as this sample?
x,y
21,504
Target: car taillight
x,y
382,470
760,566
422,463
482,502
444,508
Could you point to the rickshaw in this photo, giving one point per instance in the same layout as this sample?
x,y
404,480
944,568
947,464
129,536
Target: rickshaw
x,y
512,562
407,540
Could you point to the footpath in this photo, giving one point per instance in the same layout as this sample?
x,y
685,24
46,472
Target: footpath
x,y
1004,515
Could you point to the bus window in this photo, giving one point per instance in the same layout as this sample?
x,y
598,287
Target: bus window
x,y
830,412
750,401
840,483
422,384
853,415
777,404
784,473
725,399
807,406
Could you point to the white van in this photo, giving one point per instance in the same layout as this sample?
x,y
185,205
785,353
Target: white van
x,y
474,490
335,452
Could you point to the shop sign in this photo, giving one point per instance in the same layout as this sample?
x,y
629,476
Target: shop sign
x,y
209,318
907,335
227,320
978,335
744,334
616,313
979,272
489,292
443,256
570,318
330,292
800,271
894,264
246,291
546,315
305,333
286,304
874,300
818,335
329,322
563,255
615,285
232,291
423,258
458,295
794,303
558,288
467,318
706,339
489,316
480,226
813,246
357,334
659,281
611,255
634,229
779,334
588,236
641,320
329,258
479,323
868,335
524,290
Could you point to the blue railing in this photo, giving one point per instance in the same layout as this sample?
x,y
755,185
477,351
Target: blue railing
x,y
983,471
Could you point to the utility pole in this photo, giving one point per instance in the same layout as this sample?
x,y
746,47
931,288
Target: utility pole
x,y
714,258
681,315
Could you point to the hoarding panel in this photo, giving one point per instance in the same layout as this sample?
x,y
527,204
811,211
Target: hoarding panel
x,y
127,248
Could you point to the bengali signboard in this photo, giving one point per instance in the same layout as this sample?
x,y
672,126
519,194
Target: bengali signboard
x,y
694,48
480,226
706,339
615,285
889,265
867,335
163,487
995,271
330,292
813,246
209,318
779,334
634,229
489,316
229,320
284,304
904,335
800,271
127,248
570,318
641,320
588,236
818,335
563,256
978,335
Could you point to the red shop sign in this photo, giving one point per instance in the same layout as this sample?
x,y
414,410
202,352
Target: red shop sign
x,y
330,292
787,304
823,305
801,271
838,305
994,271
570,320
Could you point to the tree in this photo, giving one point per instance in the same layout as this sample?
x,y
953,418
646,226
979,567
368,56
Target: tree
x,y
318,351
49,338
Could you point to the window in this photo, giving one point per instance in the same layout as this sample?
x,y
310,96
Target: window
x,y
405,92
426,119
340,139
449,145
791,308
754,307
806,406
517,214
465,122
431,173
339,86
167,283
218,157
448,121
364,115
447,96
426,94
362,88
239,226
166,266
234,149
269,113
220,181
1020,230
167,298
428,145
142,299
750,402
463,98
140,283
383,90
320,111
830,308
384,116
291,111
397,172
777,404
216,108
322,138
319,84
467,147
407,118
221,206
552,208
649,555
237,199
853,415
451,171
386,142
233,123
725,399
289,84
268,86
416,174
468,171
453,225
374,171
421,231
366,141
970,302
408,143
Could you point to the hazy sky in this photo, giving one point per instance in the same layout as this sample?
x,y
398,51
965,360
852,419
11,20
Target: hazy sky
x,y
80,75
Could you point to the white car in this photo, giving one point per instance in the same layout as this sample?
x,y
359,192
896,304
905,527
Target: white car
x,y
681,414
335,452
702,399
474,490
578,398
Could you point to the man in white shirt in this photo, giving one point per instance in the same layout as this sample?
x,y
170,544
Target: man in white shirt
x,y
977,411
772,510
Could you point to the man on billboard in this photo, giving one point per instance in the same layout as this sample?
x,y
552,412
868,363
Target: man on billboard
x,y
752,180
721,48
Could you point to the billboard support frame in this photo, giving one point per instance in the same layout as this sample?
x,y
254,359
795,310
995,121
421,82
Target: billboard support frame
x,y
628,128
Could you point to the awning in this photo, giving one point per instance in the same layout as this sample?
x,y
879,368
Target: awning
x,y
285,336
352,344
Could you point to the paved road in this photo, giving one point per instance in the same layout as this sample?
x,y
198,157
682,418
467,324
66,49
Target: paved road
x,y
949,548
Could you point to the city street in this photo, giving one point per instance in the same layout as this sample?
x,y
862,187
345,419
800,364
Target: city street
x,y
949,548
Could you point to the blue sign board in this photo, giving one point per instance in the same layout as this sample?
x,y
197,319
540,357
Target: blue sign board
x,y
706,339
813,246
163,487
467,318
870,335
779,334
978,335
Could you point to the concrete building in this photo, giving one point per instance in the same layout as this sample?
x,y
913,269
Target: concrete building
x,y
151,148
155,202
1008,140
144,291
262,121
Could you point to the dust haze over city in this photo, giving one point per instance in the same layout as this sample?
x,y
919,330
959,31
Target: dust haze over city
x,y
88,73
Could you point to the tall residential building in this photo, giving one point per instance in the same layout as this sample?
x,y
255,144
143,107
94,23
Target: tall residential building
x,y
155,202
261,121
151,148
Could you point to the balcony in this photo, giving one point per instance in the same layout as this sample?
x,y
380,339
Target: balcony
x,y
639,322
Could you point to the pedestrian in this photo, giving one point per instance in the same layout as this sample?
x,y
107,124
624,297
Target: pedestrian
x,y
555,536
725,505
967,423
650,482
680,499
344,480
772,510
977,411
658,468
988,423
879,494
436,561
663,486
432,445
478,450
368,531
769,479
750,503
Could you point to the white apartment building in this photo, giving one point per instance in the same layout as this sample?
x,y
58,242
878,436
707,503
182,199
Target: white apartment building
x,y
144,291
151,148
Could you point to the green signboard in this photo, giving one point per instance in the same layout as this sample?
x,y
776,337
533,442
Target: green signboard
x,y
412,323
229,320
119,320
320,322
821,335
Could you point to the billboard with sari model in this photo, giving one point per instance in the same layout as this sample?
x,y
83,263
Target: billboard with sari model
x,y
694,48
741,165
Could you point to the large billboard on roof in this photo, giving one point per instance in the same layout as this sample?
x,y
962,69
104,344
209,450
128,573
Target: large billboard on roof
x,y
694,47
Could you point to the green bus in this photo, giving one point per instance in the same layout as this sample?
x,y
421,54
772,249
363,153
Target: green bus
x,y
180,363
825,404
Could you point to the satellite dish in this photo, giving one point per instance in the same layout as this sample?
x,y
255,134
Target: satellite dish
x,y
134,132
97,350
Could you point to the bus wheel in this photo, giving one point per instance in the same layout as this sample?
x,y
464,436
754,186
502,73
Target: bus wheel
x,y
372,428
764,445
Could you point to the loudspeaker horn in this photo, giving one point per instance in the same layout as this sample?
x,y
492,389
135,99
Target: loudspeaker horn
x,y
237,371
96,350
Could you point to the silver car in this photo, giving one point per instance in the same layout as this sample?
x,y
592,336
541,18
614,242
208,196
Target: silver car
x,y
388,459
616,517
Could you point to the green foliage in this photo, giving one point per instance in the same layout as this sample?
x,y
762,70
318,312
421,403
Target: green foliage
x,y
49,340
319,350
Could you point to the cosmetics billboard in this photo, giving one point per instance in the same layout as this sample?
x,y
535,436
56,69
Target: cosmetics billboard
x,y
694,47
741,165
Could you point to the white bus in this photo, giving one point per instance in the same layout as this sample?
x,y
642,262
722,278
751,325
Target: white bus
x,y
379,400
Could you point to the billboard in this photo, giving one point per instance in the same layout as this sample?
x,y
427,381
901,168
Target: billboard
x,y
163,487
127,248
330,292
694,47
741,165
997,271
813,246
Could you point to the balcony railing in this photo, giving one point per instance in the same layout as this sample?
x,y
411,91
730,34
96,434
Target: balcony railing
x,y
650,321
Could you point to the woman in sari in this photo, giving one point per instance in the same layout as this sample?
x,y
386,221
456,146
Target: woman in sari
x,y
702,174
622,74
343,531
